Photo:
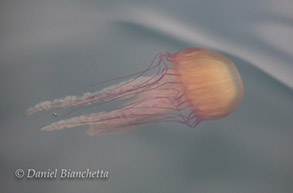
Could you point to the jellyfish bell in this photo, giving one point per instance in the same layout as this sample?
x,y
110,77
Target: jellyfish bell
x,y
210,80
202,82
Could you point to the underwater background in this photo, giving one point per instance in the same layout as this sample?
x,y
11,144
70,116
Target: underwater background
x,y
51,49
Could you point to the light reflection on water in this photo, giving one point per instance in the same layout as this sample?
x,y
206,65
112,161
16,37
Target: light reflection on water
x,y
51,49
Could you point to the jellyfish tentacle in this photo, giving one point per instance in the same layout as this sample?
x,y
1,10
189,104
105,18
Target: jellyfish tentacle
x,y
139,112
137,74
149,106
155,82
104,95
124,90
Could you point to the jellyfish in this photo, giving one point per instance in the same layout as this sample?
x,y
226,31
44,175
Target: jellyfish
x,y
188,87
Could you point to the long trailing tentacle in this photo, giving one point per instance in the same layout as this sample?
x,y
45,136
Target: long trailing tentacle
x,y
105,95
140,111
124,90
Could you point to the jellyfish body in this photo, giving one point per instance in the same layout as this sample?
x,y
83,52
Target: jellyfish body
x,y
202,82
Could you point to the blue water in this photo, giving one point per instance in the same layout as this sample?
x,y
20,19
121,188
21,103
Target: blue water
x,y
56,48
